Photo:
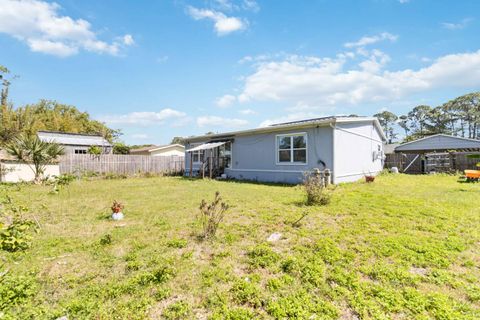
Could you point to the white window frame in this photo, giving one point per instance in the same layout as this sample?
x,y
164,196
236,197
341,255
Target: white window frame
x,y
193,145
291,163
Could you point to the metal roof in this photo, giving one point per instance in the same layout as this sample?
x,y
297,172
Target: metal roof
x,y
206,146
439,142
155,148
292,125
76,139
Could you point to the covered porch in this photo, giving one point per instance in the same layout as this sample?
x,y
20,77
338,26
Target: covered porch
x,y
209,159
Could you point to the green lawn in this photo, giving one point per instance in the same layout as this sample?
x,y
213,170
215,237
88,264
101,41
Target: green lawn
x,y
403,247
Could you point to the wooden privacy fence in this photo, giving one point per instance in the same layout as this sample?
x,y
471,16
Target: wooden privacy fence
x,y
120,164
440,162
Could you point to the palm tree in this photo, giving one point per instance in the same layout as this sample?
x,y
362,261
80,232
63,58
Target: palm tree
x,y
33,151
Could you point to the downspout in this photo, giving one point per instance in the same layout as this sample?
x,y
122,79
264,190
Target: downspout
x,y
334,173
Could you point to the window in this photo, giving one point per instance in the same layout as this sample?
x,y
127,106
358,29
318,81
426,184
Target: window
x,y
197,156
80,151
292,148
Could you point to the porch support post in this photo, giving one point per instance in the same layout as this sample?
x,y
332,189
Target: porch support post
x,y
191,164
210,164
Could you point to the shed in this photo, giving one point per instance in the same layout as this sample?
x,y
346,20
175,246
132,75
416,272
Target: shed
x,y
76,143
438,153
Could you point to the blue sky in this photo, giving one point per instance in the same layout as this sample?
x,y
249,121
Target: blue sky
x,y
158,69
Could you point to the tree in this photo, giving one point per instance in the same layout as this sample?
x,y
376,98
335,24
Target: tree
x,y
403,123
120,148
177,140
418,120
5,84
388,120
94,150
32,150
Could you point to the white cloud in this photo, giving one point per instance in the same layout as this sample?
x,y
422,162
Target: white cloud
x,y
247,112
327,82
40,25
128,40
146,118
457,26
251,5
216,121
225,101
367,40
223,24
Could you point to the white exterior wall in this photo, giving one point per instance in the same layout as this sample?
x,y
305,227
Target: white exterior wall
x,y
173,151
358,151
18,172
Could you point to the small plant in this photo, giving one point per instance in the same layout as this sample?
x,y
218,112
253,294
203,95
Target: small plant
x,y
106,240
117,207
177,243
315,187
15,232
297,223
211,215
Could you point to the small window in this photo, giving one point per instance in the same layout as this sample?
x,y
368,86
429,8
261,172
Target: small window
x,y
197,156
292,148
80,151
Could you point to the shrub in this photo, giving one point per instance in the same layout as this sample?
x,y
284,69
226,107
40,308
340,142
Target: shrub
x,y
262,256
211,215
177,310
15,235
245,292
317,192
14,290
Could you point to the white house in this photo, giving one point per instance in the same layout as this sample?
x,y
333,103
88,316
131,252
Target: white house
x,y
155,151
350,147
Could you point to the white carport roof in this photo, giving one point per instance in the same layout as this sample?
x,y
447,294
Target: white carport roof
x,y
206,146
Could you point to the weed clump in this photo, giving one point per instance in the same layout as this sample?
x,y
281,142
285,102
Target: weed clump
x,y
316,189
177,310
211,215
245,292
262,256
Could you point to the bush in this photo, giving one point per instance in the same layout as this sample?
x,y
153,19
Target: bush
x,y
317,192
211,215
245,292
15,234
14,290
262,256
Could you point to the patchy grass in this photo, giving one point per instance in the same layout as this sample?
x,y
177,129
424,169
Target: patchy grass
x,y
403,247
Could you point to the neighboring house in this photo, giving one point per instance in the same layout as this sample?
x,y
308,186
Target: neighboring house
x,y
351,147
167,150
13,170
76,143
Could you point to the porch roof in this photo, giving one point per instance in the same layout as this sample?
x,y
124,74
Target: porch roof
x,y
206,146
